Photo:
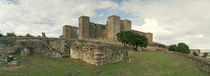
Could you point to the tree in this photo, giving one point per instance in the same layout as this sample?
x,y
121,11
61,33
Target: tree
x,y
183,48
1,35
28,35
205,55
195,53
172,48
124,37
11,34
138,40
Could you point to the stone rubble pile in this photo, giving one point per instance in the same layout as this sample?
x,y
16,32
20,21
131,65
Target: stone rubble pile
x,y
8,57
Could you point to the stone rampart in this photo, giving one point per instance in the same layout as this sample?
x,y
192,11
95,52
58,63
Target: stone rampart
x,y
93,52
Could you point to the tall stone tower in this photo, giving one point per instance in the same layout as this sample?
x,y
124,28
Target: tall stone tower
x,y
113,26
84,27
125,25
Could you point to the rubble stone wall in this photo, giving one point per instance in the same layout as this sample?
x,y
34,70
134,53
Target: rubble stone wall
x,y
98,54
93,52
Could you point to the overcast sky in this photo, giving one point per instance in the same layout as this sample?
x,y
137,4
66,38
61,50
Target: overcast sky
x,y
171,21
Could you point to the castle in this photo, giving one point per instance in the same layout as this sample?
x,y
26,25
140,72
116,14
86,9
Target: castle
x,y
90,30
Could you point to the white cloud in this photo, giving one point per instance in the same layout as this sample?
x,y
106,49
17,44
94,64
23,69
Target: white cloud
x,y
199,36
36,16
173,21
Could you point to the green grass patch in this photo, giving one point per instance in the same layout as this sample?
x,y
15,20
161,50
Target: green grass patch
x,y
142,64
6,47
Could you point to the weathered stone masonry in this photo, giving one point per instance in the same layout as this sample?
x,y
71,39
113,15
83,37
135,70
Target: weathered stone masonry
x,y
89,30
92,52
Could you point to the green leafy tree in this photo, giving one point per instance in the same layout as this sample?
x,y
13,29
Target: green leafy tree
x,y
195,53
138,40
124,37
28,35
205,55
172,48
183,48
11,34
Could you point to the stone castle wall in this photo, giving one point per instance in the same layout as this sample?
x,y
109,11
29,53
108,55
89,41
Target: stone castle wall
x,y
93,52
90,30
148,35
70,32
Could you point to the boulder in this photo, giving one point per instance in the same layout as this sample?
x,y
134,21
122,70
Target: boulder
x,y
14,63
25,52
57,55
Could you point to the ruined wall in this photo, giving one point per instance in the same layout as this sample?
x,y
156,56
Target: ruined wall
x,y
93,52
148,35
84,27
98,54
70,32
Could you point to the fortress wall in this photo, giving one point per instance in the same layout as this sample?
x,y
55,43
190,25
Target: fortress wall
x,y
97,31
93,52
148,35
70,32
125,25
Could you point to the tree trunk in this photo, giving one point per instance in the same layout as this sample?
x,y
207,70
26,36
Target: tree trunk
x,y
136,47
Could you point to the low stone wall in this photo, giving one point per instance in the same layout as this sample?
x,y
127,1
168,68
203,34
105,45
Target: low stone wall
x,y
98,54
93,52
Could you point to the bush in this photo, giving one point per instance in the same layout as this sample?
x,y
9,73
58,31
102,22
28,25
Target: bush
x,y
172,48
1,35
28,35
205,55
183,48
195,53
11,34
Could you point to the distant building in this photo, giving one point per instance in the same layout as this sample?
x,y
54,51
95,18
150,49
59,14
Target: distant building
x,y
205,51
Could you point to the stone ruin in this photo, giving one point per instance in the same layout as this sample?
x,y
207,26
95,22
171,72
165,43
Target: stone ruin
x,y
89,30
84,43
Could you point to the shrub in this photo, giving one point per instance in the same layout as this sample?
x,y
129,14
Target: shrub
x,y
172,48
205,55
195,53
11,34
183,48
28,35
1,35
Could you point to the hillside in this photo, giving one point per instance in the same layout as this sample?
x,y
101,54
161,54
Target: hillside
x,y
139,64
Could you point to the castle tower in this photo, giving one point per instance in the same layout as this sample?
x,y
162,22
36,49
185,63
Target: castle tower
x,y
125,25
84,27
70,32
113,26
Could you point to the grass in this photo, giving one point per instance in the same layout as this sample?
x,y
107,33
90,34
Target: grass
x,y
6,47
139,64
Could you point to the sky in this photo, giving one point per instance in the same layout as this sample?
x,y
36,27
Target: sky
x,y
170,21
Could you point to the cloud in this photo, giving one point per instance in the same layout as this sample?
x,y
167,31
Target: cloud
x,y
173,21
36,16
